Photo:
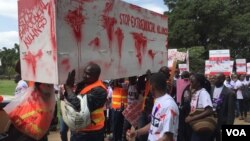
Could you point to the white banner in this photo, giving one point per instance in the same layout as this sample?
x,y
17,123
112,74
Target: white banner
x,y
248,68
183,67
241,66
171,57
220,61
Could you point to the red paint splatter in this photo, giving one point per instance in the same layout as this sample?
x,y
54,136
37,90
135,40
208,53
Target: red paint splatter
x,y
166,45
75,19
66,65
108,7
140,45
95,42
94,7
108,65
29,5
108,24
31,20
135,7
81,1
151,54
161,62
31,59
51,12
120,36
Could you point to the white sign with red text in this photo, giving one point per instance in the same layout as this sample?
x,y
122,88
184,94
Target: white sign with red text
x,y
59,36
241,66
183,67
220,61
171,57
248,68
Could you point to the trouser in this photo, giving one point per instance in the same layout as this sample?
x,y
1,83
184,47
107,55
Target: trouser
x,y
87,136
201,137
54,122
144,120
243,107
63,130
237,108
117,124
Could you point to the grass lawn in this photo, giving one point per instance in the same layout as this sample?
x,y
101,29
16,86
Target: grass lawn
x,y
7,87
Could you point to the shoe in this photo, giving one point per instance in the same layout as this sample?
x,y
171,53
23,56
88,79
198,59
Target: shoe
x,y
241,118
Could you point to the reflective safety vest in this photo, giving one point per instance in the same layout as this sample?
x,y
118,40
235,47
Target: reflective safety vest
x,y
97,116
33,116
119,98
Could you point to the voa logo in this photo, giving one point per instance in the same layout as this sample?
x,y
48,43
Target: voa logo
x,y
236,132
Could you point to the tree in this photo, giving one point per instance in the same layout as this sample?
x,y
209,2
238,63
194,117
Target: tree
x,y
9,58
213,24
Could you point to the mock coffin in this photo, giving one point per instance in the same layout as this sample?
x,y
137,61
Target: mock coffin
x,y
57,36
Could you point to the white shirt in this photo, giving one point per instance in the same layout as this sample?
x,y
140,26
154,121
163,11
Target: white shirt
x,y
233,83
204,100
228,84
165,118
21,87
239,92
217,92
216,96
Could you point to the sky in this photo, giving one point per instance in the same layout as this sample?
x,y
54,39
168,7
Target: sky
x,y
8,18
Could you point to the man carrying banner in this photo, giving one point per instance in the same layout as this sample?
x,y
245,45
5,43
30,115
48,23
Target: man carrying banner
x,y
96,98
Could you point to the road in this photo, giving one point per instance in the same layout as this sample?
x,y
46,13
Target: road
x,y
55,136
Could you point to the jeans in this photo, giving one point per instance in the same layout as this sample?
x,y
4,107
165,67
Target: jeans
x,y
237,108
90,136
63,130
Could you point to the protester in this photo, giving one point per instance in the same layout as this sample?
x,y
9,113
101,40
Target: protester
x,y
148,103
184,130
239,86
96,97
133,98
227,83
119,102
165,114
40,120
200,87
223,100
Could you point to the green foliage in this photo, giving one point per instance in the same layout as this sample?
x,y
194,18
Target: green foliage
x,y
213,24
9,58
7,87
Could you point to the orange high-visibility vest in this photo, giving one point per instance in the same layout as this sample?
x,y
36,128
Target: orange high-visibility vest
x,y
97,116
33,118
119,97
